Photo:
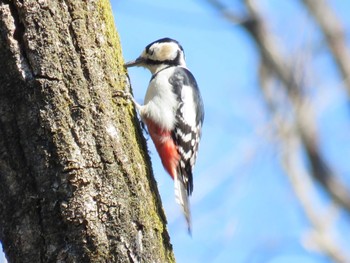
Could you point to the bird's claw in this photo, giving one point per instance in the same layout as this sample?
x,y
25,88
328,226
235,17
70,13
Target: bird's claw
x,y
123,94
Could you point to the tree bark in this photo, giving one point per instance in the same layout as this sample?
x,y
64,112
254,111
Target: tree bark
x,y
76,183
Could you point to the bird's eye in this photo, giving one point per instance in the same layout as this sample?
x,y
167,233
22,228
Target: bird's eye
x,y
151,51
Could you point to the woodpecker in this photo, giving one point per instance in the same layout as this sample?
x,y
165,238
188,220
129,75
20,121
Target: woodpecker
x,y
173,113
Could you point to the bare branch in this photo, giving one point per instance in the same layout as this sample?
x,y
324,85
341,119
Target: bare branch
x,y
300,177
299,134
333,32
269,50
303,188
271,54
226,13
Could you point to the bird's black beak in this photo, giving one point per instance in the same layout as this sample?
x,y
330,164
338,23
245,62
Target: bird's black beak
x,y
136,62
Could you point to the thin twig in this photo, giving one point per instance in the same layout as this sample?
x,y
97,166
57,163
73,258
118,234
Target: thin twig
x,y
334,34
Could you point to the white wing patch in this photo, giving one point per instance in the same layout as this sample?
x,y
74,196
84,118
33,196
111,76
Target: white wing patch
x,y
189,115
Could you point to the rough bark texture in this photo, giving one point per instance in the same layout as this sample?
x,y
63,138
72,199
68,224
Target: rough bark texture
x,y
74,185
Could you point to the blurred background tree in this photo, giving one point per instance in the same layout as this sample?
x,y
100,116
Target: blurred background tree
x,y
289,86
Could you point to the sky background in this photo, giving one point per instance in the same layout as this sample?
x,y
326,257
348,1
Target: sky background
x,y
243,208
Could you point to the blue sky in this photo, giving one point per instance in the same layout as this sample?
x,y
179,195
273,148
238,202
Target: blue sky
x,y
243,207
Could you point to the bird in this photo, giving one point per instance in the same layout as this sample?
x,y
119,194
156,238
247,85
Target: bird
x,y
173,112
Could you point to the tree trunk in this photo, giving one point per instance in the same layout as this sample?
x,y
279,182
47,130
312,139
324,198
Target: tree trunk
x,y
75,178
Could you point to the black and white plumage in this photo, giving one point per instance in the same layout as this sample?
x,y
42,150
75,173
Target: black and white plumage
x,y
173,112
187,132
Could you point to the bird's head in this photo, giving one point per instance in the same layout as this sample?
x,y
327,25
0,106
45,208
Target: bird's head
x,y
160,54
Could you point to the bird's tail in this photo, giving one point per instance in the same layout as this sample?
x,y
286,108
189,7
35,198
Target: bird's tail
x,y
182,199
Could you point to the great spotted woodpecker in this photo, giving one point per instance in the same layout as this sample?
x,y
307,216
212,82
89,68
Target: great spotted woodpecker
x,y
173,113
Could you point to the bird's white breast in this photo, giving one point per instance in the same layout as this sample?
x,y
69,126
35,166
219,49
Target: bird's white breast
x,y
160,101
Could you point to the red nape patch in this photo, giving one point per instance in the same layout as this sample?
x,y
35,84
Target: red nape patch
x,y
165,146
